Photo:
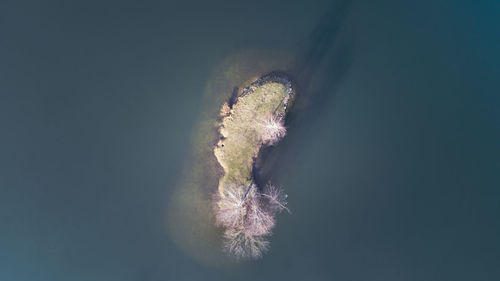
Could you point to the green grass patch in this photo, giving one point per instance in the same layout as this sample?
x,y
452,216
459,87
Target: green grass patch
x,y
241,131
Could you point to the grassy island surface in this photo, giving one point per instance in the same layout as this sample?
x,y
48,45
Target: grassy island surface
x,y
243,127
246,211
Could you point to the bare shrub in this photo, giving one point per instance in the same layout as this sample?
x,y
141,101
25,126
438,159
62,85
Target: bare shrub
x,y
276,198
225,110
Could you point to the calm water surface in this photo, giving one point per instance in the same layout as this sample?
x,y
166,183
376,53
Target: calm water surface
x,y
392,171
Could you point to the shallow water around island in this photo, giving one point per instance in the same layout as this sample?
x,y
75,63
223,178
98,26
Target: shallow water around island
x,y
191,220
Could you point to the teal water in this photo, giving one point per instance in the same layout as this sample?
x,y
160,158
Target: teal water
x,y
391,165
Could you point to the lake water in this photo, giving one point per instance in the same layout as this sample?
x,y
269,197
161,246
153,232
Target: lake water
x,y
391,163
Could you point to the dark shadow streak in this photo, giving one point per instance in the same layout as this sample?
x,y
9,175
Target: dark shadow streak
x,y
325,61
234,96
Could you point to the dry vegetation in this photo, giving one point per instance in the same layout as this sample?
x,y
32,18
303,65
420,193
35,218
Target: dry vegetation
x,y
248,217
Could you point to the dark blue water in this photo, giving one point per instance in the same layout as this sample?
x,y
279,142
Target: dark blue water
x,y
392,168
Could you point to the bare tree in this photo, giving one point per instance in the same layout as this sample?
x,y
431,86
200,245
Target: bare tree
x,y
259,221
230,211
272,130
241,245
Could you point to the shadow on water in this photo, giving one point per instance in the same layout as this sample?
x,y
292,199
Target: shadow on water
x,y
320,70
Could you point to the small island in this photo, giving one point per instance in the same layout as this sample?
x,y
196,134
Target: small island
x,y
249,121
